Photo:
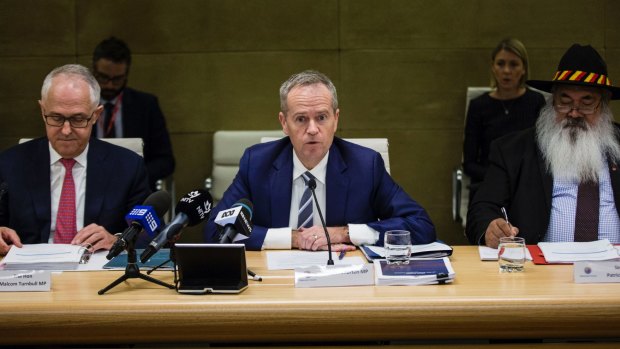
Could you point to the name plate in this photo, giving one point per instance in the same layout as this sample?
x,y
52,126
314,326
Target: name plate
x,y
335,275
596,271
25,281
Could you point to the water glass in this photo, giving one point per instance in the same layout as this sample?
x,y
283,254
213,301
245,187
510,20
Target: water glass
x,y
511,254
397,245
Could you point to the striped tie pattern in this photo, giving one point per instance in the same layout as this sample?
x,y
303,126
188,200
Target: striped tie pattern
x,y
66,226
304,218
586,217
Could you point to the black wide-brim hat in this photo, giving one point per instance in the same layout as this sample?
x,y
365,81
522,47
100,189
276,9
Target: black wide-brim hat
x,y
580,65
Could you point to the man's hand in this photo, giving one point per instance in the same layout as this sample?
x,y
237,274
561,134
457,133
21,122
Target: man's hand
x,y
95,237
313,238
8,237
498,228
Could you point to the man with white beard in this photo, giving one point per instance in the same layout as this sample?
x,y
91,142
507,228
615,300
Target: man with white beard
x,y
558,181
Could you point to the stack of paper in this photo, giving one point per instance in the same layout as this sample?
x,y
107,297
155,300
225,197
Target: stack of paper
x,y
419,271
433,250
44,257
568,252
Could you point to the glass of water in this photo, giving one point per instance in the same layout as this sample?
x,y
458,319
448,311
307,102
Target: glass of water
x,y
397,245
511,254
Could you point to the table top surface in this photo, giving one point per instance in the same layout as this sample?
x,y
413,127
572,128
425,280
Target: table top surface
x,y
541,302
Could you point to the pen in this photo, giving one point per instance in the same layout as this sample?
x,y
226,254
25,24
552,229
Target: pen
x,y
254,276
506,216
341,255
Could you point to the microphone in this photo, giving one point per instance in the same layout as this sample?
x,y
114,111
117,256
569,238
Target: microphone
x,y
191,209
142,217
235,220
312,185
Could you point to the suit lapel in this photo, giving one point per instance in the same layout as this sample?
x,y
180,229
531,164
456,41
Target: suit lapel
x,y
281,187
38,177
96,183
614,176
546,179
337,184
129,123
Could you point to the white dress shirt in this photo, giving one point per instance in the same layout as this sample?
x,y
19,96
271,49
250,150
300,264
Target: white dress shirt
x,y
57,177
564,207
280,238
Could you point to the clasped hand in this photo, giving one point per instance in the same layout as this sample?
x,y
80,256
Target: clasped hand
x,y
313,239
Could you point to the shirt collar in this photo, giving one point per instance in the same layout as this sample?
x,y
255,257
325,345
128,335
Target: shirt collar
x,y
319,171
80,159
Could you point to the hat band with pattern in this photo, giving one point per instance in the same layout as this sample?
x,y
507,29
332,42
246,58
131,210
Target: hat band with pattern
x,y
581,76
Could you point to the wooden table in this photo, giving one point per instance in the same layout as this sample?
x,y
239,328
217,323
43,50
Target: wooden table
x,y
542,302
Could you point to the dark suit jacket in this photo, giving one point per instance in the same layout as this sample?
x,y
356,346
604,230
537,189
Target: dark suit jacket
x,y
359,190
115,182
518,179
143,118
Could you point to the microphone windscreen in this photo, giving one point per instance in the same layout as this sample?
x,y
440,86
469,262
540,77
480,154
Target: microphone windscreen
x,y
196,205
245,205
160,201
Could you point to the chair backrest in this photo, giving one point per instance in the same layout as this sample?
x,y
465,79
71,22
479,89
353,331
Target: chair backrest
x,y
380,145
228,147
474,92
134,144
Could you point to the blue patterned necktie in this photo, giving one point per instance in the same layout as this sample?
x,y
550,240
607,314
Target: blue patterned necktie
x,y
304,218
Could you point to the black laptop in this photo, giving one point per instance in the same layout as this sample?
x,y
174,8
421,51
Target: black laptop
x,y
211,268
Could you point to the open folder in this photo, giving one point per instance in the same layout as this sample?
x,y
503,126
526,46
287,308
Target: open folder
x,y
45,257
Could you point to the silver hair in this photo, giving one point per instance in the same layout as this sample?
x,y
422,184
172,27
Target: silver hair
x,y
79,71
305,78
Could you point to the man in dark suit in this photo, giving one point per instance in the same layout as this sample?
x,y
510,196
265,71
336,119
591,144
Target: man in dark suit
x,y
130,113
359,198
559,181
67,187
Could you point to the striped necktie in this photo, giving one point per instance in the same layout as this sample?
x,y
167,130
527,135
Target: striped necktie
x,y
66,226
304,218
586,216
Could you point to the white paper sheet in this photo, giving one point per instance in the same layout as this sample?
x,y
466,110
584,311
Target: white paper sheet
x,y
280,260
490,254
567,252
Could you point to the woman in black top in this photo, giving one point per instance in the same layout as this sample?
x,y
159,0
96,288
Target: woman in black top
x,y
509,107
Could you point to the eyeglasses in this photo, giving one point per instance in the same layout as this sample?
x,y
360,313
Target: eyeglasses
x,y
567,108
104,79
59,120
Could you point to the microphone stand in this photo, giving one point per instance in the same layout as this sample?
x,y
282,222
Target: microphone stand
x,y
172,259
132,270
312,185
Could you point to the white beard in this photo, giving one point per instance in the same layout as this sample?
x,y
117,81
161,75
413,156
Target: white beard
x,y
575,150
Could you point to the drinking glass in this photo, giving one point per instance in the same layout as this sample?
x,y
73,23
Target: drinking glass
x,y
397,245
511,255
